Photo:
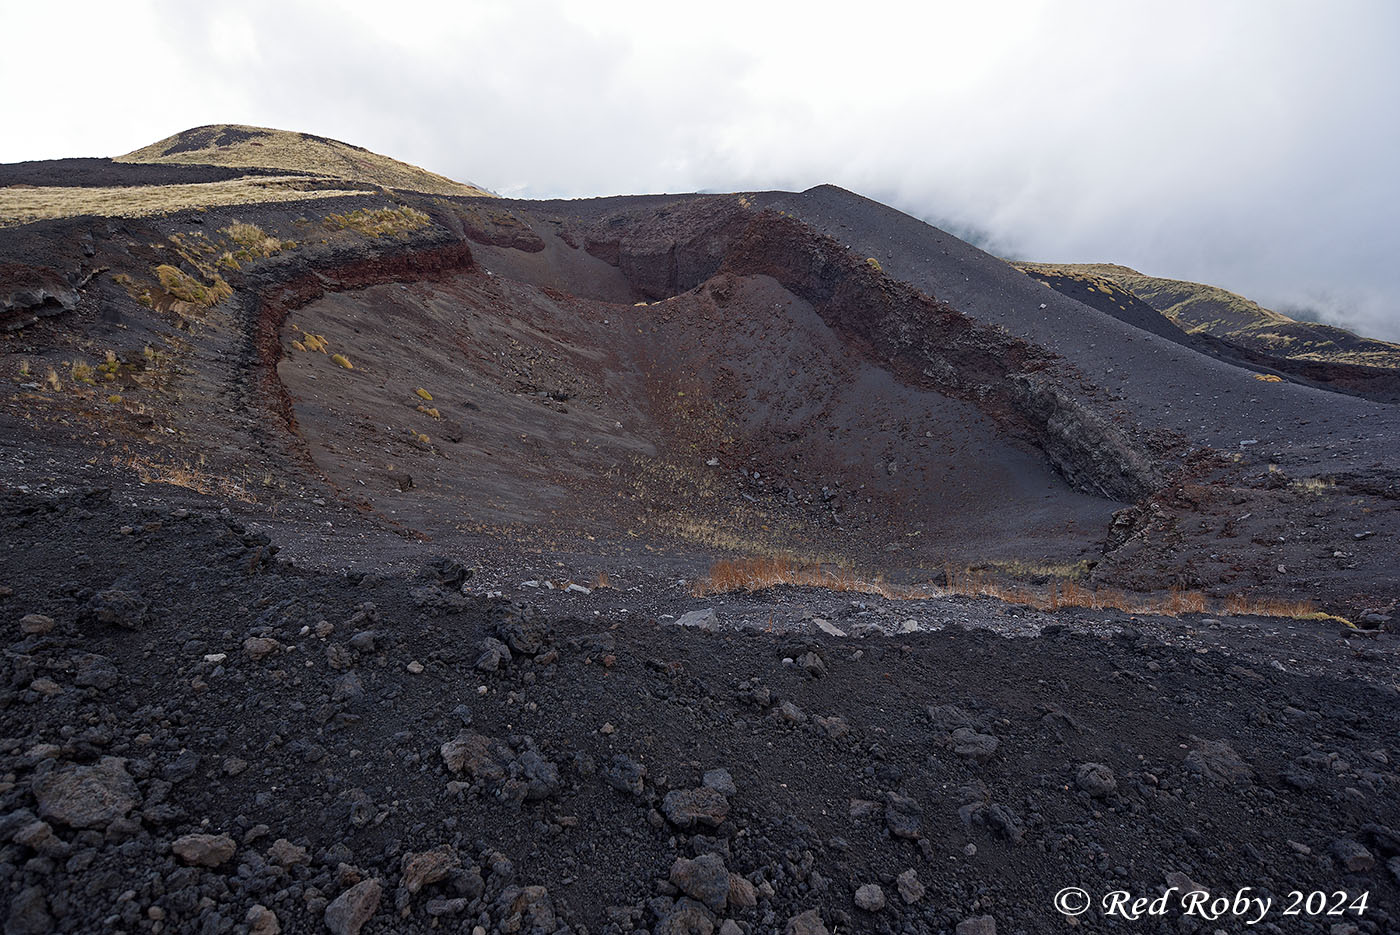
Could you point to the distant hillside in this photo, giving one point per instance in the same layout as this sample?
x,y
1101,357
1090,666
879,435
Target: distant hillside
x,y
208,167
248,147
1199,308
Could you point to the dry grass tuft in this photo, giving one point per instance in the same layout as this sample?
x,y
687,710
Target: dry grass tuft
x,y
191,477
756,573
312,342
185,287
1314,484
1243,606
378,222
81,372
250,243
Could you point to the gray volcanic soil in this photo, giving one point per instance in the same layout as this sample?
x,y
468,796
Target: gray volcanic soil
x,y
186,684
1160,383
886,427
635,387
564,417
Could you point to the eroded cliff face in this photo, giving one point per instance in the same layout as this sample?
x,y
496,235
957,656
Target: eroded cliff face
x,y
742,383
30,293
1030,391
45,273
665,250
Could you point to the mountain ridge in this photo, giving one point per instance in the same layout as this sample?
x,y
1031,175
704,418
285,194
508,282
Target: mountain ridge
x,y
1203,308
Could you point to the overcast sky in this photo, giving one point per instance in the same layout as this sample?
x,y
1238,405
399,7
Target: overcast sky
x,y
1254,145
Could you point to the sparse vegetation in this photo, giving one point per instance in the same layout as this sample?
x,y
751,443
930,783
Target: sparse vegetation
x,y
756,573
1017,568
191,477
23,205
1268,378
250,242
378,222
312,342
81,372
136,290
318,157
343,361
1197,307
185,287
423,394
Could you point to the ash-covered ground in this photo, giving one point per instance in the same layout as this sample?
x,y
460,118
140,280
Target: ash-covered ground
x,y
352,549
198,737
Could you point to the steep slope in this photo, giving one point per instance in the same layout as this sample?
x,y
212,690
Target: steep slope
x,y
735,414
1090,287
809,373
1195,307
304,153
1154,382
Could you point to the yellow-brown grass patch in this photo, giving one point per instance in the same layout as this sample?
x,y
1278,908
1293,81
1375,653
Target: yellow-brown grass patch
x,y
191,477
244,147
20,205
186,288
378,222
758,572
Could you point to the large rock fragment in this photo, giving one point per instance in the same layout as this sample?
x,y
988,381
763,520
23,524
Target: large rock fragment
x,y
1217,761
349,912
204,850
472,753
687,807
87,796
705,878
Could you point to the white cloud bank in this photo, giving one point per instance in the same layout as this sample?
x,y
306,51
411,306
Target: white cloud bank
x,y
1249,144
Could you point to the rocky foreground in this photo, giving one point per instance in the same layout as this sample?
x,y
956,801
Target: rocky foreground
x,y
198,738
